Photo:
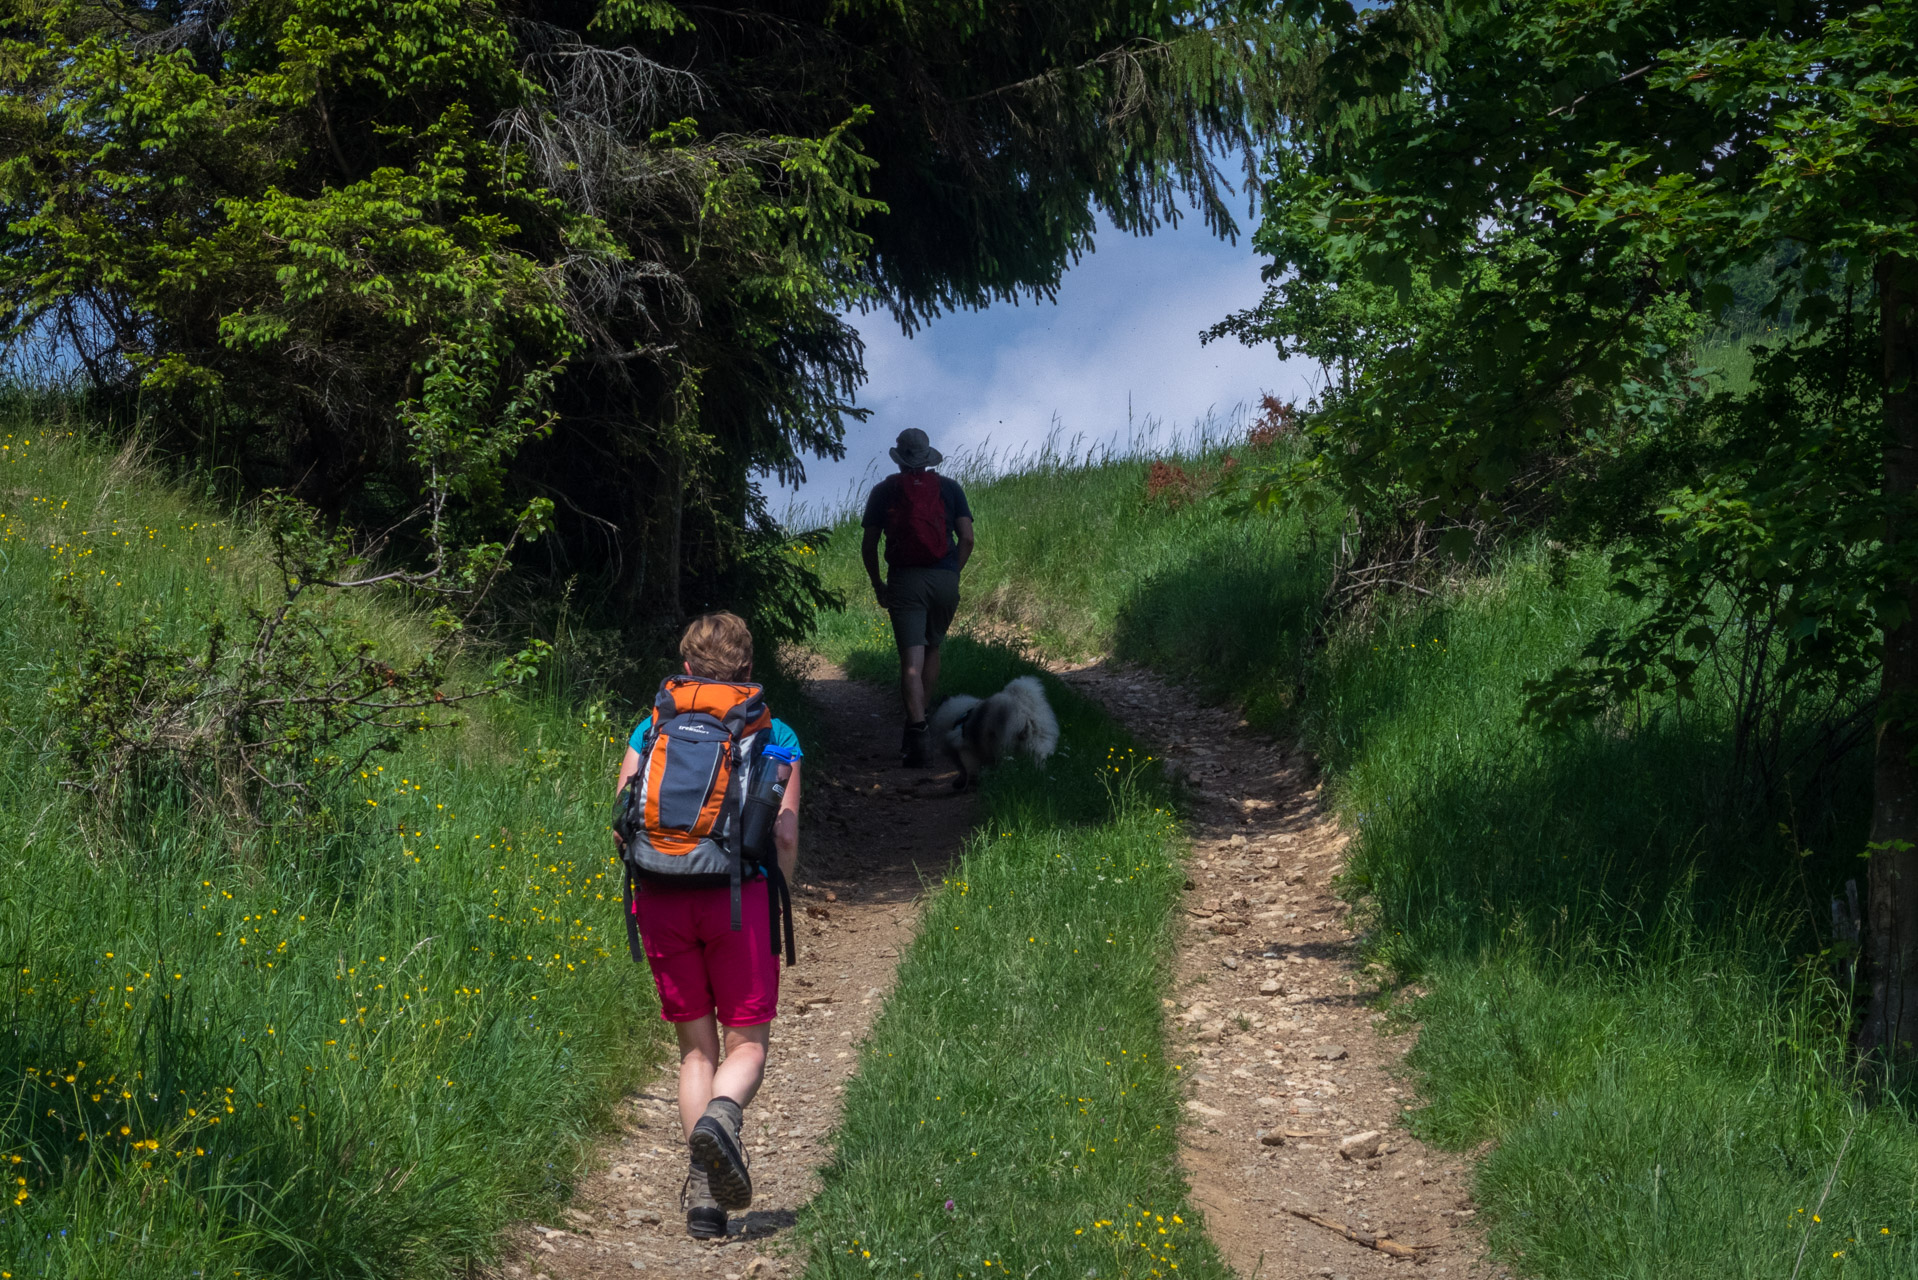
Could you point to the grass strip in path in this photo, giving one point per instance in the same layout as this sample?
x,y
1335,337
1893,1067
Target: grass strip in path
x,y
1014,1112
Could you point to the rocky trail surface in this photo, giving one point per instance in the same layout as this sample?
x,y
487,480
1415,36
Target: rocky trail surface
x,y
872,837
1293,1140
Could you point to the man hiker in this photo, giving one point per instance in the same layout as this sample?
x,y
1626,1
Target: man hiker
x,y
711,944
927,526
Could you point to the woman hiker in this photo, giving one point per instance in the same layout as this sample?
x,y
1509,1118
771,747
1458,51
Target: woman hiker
x,y
712,955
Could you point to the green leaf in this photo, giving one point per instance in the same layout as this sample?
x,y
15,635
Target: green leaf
x,y
1456,544
1718,298
629,17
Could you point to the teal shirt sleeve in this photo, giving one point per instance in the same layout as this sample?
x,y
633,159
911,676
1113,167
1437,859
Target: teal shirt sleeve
x,y
783,736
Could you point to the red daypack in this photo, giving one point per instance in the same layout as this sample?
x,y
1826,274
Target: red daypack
x,y
916,536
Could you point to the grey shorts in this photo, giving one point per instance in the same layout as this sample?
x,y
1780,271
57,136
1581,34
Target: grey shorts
x,y
923,602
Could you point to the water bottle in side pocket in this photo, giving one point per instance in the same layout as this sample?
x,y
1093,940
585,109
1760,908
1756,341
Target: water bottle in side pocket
x,y
771,772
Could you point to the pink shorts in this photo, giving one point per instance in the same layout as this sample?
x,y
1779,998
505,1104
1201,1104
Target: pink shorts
x,y
700,965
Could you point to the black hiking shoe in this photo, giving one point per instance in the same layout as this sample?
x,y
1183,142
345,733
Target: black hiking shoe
x,y
915,747
718,1151
705,1220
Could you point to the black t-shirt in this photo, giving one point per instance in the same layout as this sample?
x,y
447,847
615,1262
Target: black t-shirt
x,y
880,501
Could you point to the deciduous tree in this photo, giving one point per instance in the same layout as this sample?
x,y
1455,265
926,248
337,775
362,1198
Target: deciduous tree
x,y
1614,161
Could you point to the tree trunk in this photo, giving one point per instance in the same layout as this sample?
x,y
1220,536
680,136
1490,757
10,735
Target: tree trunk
x,y
1890,1032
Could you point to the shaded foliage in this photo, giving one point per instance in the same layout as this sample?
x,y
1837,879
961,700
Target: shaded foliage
x,y
259,227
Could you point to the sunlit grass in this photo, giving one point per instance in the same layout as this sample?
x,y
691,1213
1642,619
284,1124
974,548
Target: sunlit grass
x,y
1064,547
359,1047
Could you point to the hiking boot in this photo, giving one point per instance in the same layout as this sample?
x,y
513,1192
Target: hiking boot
x,y
915,748
718,1151
705,1220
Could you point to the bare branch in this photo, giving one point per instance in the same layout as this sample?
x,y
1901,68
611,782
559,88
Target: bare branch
x,y
1624,79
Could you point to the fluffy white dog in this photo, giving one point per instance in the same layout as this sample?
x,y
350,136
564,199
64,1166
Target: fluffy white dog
x,y
977,733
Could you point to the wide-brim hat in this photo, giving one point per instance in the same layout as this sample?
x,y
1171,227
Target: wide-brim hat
x,y
915,451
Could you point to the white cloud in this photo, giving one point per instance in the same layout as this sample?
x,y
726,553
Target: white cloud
x,y
1118,350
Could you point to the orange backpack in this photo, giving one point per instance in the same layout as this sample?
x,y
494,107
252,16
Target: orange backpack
x,y
679,818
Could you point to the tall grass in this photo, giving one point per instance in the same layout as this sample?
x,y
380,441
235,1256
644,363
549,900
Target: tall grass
x,y
1075,556
1628,996
1014,1113
360,1048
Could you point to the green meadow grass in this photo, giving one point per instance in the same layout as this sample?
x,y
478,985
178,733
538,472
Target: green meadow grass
x,y
263,1053
1627,996
1078,560
1014,1113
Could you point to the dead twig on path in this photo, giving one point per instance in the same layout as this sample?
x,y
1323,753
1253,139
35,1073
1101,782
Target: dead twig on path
x,y
1384,1244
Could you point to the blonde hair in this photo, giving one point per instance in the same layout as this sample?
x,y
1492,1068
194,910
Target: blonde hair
x,y
718,646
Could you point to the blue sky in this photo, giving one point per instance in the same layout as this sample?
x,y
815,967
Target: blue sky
x,y
1122,337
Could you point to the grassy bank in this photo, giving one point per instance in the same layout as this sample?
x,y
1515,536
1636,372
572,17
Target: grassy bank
x,y
359,1049
1091,560
1627,994
1629,998
1013,1113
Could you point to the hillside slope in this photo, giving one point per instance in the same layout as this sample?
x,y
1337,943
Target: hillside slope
x,y
1127,557
354,1047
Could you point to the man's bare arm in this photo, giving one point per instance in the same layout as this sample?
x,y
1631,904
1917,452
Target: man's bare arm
x,y
869,552
964,524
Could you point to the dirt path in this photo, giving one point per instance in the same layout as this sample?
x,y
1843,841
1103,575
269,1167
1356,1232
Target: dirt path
x,y
1284,1056
1282,1047
872,836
